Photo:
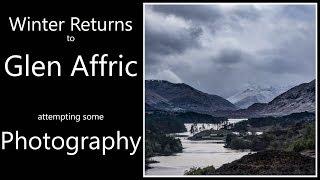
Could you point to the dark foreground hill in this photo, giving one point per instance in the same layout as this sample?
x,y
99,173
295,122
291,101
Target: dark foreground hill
x,y
270,163
263,163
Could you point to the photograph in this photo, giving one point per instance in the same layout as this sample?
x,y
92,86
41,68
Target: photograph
x,y
229,89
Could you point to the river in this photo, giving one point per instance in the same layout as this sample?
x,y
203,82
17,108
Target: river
x,y
195,154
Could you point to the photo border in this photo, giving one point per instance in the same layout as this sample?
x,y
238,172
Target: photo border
x,y
316,93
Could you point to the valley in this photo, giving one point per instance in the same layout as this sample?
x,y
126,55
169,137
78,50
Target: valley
x,y
194,153
195,136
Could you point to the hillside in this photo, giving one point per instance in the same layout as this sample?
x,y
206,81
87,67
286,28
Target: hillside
x,y
168,96
300,98
256,94
263,163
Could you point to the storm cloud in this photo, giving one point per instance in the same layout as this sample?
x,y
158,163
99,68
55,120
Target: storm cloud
x,y
220,49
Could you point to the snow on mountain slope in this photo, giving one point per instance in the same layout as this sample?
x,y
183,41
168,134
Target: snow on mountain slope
x,y
256,94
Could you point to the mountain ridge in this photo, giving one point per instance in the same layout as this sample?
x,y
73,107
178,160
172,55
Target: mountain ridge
x,y
256,94
169,96
164,95
299,98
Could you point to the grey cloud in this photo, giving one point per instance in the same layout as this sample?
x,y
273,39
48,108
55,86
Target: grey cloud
x,y
220,49
299,12
229,56
190,12
159,45
246,12
165,44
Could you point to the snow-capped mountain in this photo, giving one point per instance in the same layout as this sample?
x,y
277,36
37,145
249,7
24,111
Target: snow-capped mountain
x,y
256,94
297,99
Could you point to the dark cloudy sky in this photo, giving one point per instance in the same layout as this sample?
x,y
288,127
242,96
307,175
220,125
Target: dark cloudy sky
x,y
220,49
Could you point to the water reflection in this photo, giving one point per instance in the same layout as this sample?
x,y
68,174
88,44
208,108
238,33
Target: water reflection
x,y
195,154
